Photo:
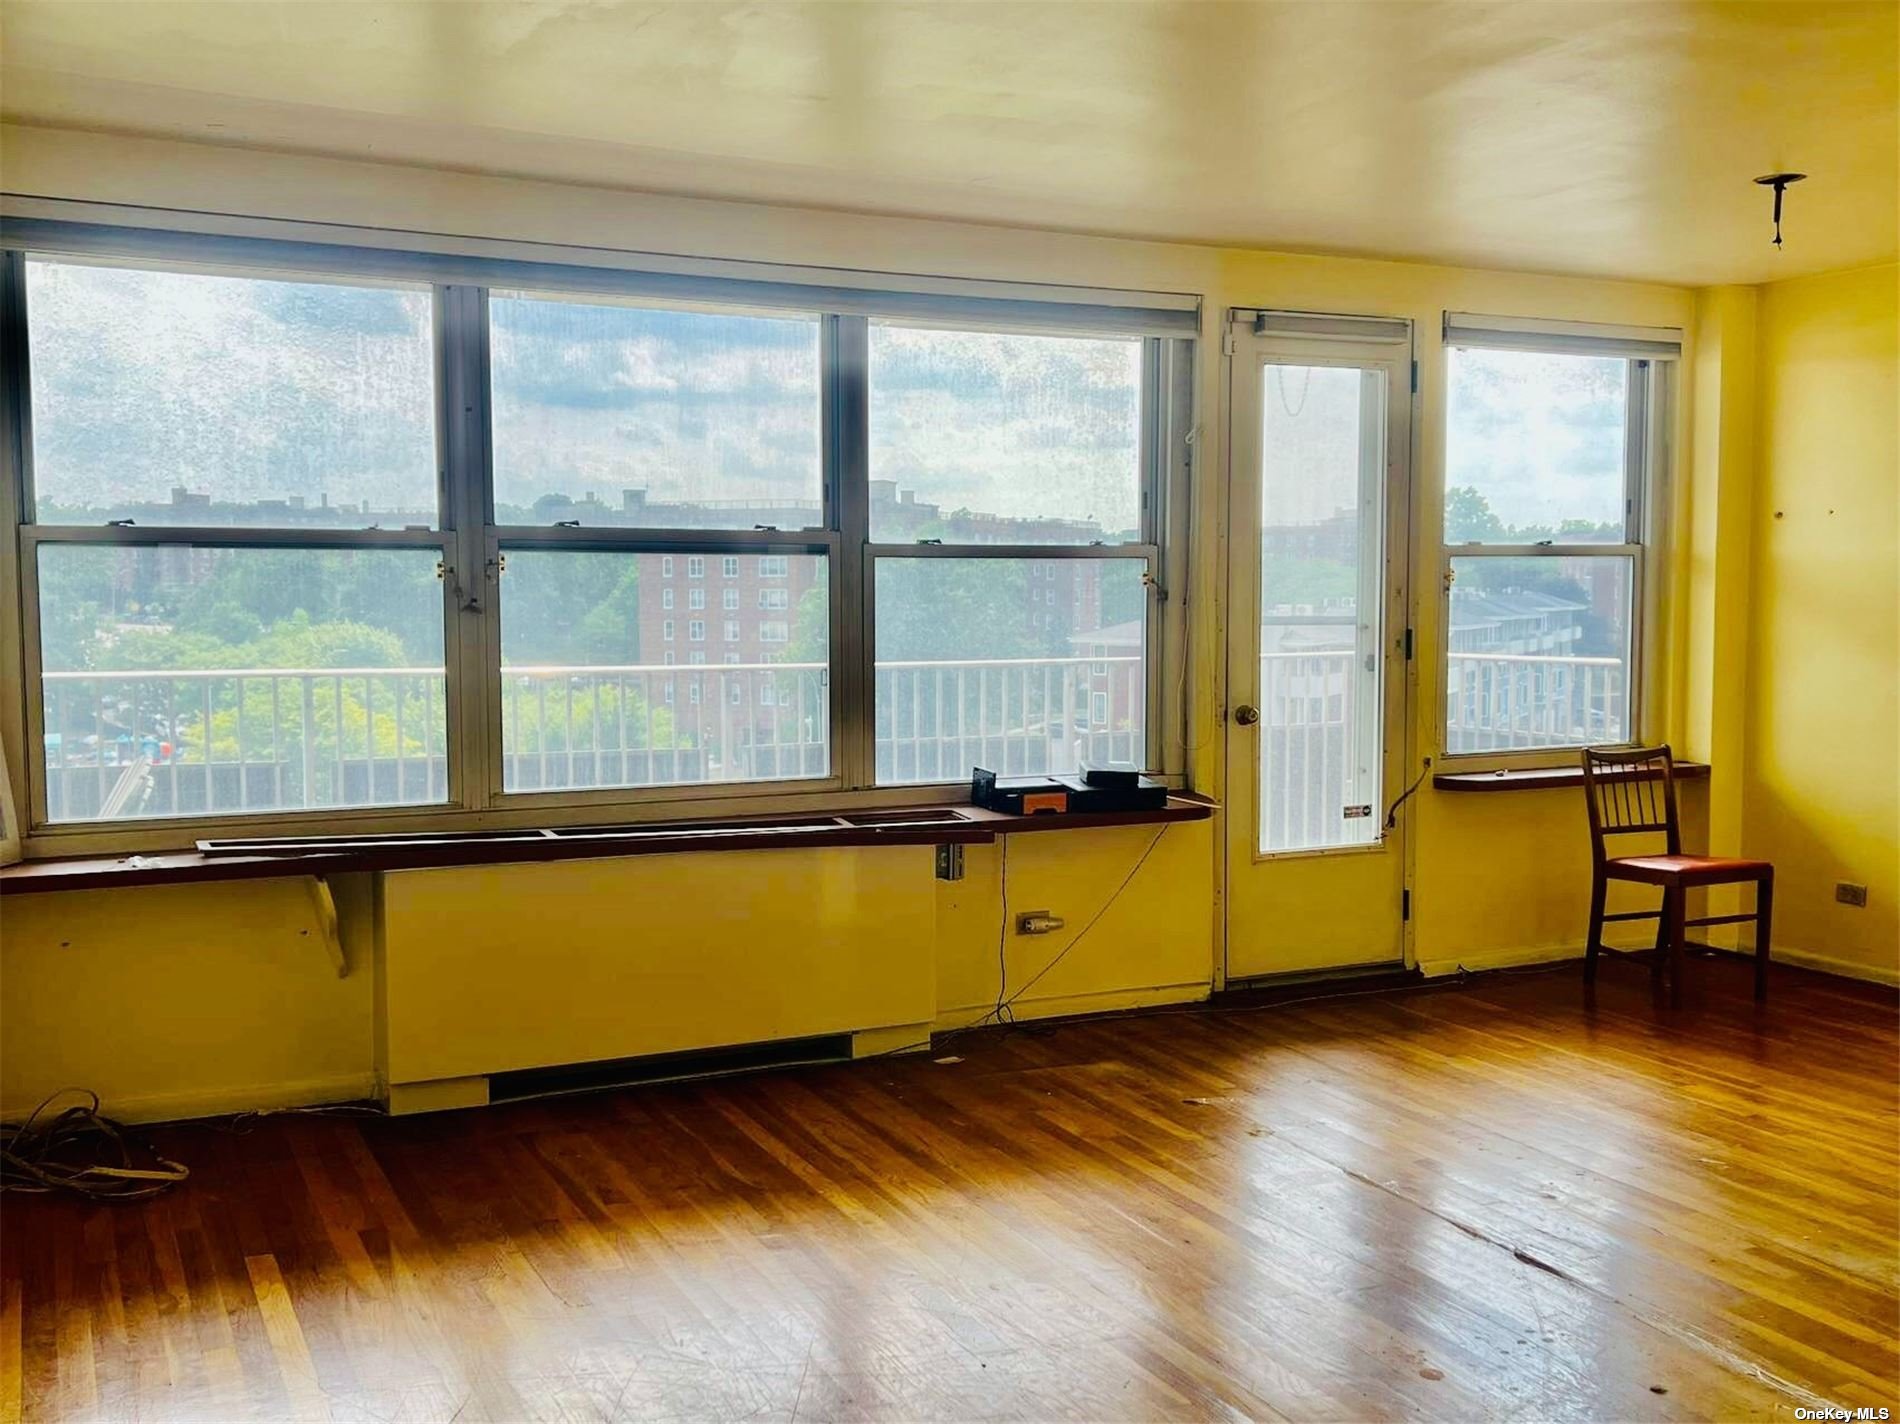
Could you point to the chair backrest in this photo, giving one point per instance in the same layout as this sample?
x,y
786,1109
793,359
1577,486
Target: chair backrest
x,y
1630,790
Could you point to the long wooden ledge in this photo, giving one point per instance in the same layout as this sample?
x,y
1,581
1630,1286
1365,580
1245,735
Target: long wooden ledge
x,y
260,859
1543,778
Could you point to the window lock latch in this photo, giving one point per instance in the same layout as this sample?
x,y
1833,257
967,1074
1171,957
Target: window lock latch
x,y
120,523
464,600
567,524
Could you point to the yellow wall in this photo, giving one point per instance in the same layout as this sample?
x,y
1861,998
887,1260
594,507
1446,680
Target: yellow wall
x,y
1713,550
179,1000
1152,943
1495,879
1821,797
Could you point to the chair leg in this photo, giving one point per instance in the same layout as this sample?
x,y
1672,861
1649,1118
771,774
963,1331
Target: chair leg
x,y
1598,890
1678,943
1658,959
1764,917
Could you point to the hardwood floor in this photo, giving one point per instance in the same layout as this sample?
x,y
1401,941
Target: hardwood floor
x,y
1479,1202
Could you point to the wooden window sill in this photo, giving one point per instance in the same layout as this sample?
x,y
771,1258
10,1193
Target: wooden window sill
x,y
1543,778
342,855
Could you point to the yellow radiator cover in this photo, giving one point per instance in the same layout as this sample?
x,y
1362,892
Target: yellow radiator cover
x,y
488,969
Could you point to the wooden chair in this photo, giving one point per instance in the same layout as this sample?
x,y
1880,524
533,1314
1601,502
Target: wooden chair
x,y
1633,791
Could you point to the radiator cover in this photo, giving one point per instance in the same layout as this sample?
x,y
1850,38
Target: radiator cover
x,y
493,969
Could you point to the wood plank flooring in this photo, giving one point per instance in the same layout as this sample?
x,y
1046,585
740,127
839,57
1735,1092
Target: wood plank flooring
x,y
1491,1201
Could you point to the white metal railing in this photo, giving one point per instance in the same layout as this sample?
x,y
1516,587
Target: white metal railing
x,y
228,741
1317,747
1318,756
1014,716
1505,701
567,728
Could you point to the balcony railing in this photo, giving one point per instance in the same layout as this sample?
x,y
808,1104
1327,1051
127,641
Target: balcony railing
x,y
580,728
1510,701
1315,761
188,743
1316,781
230,741
1015,716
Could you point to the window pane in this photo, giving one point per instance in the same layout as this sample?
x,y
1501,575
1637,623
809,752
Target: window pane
x,y
591,698
187,681
179,398
988,438
1539,653
1322,592
1018,665
1535,448
653,417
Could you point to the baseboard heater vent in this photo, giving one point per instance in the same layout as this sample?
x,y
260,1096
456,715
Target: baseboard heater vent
x,y
668,1067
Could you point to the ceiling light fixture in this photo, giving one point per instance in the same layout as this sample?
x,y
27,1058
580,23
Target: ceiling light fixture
x,y
1779,182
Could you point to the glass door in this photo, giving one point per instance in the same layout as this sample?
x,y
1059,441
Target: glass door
x,y
1317,663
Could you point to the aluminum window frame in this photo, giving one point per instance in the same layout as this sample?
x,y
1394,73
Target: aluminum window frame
x,y
1651,359
1161,430
471,547
30,537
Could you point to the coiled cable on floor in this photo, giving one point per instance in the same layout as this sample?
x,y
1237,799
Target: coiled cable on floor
x,y
82,1151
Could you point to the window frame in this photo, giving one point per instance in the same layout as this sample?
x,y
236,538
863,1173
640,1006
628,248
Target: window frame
x,y
1647,447
472,549
1158,496
30,537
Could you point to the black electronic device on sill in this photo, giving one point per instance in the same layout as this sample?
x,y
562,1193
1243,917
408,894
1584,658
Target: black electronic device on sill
x,y
1117,791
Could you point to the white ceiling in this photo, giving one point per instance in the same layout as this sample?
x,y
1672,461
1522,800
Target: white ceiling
x,y
1589,136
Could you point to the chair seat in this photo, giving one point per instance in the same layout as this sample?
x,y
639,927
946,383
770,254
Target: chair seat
x,y
1687,869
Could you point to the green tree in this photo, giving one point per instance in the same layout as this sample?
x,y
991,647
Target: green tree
x,y
1469,518
957,610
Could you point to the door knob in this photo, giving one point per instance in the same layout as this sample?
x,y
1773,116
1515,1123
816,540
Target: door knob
x,y
1246,714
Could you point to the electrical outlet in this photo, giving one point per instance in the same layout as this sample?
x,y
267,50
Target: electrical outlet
x,y
1850,894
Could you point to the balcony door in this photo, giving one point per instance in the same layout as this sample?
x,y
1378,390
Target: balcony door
x,y
1317,677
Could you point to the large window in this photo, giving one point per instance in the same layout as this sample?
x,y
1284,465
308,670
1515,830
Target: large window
x,y
1012,465
231,561
294,540
1552,444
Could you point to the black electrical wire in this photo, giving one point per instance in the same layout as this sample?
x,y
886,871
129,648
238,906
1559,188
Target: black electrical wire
x,y
1103,910
1002,1012
1392,811
84,1152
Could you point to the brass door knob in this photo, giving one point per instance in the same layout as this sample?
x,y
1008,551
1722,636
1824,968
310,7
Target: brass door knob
x,y
1246,714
